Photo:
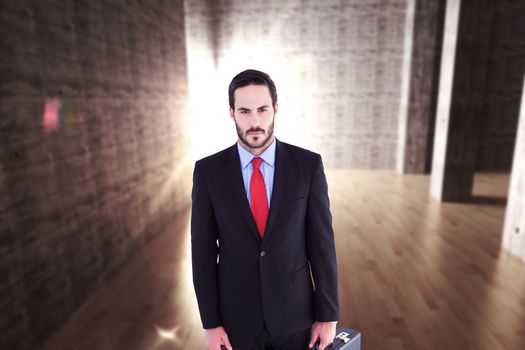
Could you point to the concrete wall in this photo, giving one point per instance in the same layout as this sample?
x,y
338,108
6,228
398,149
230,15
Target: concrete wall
x,y
514,228
505,64
420,83
505,68
461,95
337,66
92,134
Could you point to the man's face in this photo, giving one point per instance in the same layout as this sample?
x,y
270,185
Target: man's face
x,y
254,116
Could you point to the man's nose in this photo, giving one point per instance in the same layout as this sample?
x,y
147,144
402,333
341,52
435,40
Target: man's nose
x,y
256,119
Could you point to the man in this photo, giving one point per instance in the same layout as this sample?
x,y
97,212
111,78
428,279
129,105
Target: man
x,y
261,231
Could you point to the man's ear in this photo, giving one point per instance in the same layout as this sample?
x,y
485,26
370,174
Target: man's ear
x,y
232,115
275,108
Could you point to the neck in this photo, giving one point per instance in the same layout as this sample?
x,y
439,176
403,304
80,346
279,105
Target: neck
x,y
257,151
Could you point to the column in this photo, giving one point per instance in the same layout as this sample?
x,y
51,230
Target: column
x,y
514,228
420,82
461,87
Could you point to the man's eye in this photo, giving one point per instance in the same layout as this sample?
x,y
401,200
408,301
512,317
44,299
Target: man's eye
x,y
244,112
263,109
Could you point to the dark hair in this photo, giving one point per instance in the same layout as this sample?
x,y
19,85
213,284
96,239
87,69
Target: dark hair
x,y
251,77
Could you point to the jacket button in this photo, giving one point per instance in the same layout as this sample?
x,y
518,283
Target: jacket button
x,y
263,253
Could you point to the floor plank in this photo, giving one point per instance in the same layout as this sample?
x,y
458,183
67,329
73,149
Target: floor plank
x,y
414,274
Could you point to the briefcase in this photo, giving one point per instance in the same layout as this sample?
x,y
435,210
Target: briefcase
x,y
345,339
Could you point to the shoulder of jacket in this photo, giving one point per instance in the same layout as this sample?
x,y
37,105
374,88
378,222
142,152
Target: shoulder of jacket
x,y
214,159
300,152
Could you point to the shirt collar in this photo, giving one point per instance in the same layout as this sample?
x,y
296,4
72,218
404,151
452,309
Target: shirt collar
x,y
246,157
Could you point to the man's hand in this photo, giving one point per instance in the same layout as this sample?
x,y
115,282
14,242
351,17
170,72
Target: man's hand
x,y
215,337
325,332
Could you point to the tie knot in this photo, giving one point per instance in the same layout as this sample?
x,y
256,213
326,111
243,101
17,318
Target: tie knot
x,y
256,161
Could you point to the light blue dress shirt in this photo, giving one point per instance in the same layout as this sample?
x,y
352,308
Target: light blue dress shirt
x,y
267,168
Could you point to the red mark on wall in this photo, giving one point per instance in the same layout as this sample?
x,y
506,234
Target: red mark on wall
x,y
51,114
58,114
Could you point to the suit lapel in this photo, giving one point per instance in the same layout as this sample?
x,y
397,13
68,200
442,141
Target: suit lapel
x,y
234,176
283,171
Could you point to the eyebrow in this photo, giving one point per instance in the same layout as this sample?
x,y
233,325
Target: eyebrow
x,y
247,109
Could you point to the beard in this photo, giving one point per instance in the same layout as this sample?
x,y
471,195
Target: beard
x,y
259,141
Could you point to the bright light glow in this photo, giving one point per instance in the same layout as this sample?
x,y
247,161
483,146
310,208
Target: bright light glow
x,y
168,334
178,181
210,123
292,94
211,126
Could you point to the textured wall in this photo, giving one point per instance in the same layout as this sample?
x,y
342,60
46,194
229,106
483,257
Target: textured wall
x,y
210,125
460,99
514,229
421,63
92,135
337,66
505,69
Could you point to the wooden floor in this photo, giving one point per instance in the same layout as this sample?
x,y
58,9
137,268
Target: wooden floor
x,y
414,274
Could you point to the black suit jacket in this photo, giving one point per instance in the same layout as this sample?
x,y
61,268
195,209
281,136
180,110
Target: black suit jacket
x,y
242,280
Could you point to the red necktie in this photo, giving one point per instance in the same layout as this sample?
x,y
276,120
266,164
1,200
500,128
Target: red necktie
x,y
258,199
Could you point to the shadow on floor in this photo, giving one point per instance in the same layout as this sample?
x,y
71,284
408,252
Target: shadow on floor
x,y
493,201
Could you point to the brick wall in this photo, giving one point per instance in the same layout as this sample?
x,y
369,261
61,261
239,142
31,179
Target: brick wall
x,y
92,133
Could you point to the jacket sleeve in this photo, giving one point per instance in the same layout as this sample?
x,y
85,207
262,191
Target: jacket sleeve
x,y
321,247
204,251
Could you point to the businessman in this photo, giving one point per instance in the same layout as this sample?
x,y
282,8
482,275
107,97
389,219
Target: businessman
x,y
263,252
